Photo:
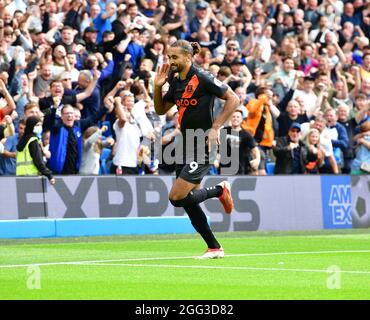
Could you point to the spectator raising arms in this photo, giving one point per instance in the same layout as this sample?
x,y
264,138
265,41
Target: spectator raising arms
x,y
92,148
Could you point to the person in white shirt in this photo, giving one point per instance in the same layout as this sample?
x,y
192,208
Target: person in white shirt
x,y
318,35
128,136
258,37
307,95
92,149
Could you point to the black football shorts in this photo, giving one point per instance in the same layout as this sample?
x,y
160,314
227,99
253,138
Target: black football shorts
x,y
192,172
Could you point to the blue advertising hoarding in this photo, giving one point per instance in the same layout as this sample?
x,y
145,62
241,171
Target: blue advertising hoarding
x,y
336,202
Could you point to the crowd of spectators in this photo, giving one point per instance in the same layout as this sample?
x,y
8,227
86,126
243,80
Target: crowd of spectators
x,y
301,69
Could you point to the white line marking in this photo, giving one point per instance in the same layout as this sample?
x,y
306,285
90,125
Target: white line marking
x,y
218,267
176,258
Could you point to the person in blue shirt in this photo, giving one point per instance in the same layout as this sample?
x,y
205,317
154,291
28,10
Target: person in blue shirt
x,y
66,138
150,8
102,21
200,13
350,15
91,104
134,49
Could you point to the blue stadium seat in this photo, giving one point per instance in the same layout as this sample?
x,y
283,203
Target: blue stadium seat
x,y
104,163
270,168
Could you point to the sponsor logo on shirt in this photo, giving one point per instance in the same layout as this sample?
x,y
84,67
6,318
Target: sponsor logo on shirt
x,y
186,102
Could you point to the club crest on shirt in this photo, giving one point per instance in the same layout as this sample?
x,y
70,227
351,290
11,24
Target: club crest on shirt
x,y
189,88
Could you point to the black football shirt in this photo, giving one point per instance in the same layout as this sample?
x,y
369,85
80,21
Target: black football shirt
x,y
194,98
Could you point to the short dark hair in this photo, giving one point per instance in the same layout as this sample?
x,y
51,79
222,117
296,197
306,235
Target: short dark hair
x,y
224,71
365,126
288,58
360,96
65,107
322,74
67,28
160,40
107,33
54,81
30,105
230,25
238,110
305,45
130,5
260,90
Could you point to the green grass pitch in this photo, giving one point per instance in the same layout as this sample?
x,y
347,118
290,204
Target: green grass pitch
x,y
257,265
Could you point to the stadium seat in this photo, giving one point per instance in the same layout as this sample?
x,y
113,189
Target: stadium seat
x,y
270,168
104,163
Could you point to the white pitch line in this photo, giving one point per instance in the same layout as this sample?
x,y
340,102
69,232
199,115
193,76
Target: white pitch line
x,y
219,267
176,258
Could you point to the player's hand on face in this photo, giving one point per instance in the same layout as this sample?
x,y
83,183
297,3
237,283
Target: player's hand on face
x,y
161,75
